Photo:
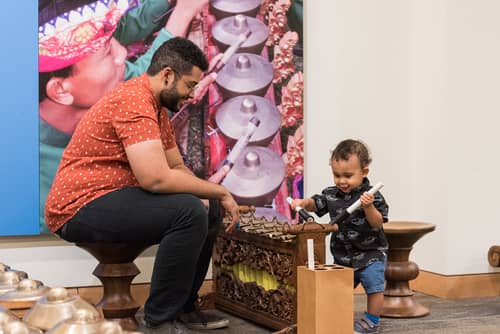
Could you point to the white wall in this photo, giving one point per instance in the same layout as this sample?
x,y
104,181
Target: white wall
x,y
419,82
58,263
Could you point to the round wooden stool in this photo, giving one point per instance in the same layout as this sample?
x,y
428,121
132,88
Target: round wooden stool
x,y
398,297
116,270
494,256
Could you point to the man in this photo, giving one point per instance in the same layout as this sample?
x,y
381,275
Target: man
x,y
80,60
122,178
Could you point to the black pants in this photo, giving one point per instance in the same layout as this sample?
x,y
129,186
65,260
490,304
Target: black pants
x,y
181,226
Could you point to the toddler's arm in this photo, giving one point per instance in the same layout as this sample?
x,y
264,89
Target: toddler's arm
x,y
373,216
305,203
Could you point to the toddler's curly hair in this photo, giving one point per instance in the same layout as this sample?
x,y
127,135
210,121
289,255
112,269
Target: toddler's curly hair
x,y
349,147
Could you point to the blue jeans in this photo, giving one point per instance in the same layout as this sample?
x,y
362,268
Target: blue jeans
x,y
178,223
371,277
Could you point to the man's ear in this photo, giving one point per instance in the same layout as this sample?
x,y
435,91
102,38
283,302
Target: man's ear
x,y
58,91
365,171
168,76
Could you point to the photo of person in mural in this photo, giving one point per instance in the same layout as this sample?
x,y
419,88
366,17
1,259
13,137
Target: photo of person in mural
x,y
81,58
87,47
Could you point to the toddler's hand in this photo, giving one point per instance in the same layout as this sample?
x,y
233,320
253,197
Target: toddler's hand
x,y
366,199
297,202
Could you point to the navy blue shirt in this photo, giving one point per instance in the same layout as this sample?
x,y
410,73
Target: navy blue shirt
x,y
356,244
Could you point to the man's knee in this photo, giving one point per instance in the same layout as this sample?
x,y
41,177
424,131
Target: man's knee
x,y
215,215
194,213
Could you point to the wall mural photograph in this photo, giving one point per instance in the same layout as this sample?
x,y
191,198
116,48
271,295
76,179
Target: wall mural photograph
x,y
250,117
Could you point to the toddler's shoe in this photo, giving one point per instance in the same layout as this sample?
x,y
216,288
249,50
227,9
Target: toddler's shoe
x,y
364,325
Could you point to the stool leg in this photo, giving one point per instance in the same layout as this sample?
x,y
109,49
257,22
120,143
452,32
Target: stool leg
x,y
117,303
398,297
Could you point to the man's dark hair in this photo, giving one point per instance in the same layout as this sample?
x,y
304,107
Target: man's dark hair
x,y
179,54
346,148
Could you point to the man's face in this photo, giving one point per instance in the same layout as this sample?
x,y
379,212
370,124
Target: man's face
x,y
175,95
97,74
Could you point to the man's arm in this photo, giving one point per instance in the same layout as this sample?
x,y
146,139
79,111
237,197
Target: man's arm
x,y
175,161
177,25
138,23
152,169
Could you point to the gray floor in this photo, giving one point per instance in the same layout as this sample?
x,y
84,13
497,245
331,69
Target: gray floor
x,y
475,315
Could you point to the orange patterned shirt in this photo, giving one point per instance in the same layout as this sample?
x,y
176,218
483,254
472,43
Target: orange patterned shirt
x,y
94,163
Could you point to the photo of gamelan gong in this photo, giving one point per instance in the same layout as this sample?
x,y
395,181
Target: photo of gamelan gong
x,y
226,31
224,8
232,119
256,176
245,73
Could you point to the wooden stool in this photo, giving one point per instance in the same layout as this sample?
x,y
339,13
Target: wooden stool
x,y
116,270
398,297
494,256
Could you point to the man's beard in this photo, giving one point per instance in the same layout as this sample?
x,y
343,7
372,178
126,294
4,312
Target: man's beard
x,y
169,98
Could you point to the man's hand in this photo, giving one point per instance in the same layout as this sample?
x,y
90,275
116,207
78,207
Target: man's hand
x,y
219,175
194,5
182,15
214,62
232,208
202,86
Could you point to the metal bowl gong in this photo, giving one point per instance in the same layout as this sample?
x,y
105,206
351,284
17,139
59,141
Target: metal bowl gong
x,y
256,176
226,31
4,268
9,281
83,321
232,119
55,306
224,8
6,316
245,74
18,327
28,291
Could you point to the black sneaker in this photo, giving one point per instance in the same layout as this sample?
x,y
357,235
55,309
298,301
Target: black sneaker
x,y
168,327
203,320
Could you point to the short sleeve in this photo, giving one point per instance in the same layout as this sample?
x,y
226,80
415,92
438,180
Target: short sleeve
x,y
321,204
382,206
136,122
168,135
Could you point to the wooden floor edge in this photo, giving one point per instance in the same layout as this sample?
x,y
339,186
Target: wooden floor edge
x,y
457,286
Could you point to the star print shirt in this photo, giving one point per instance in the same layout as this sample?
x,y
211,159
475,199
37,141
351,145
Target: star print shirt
x,y
94,163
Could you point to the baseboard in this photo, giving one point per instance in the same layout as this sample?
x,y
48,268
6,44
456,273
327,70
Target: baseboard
x,y
457,286
442,286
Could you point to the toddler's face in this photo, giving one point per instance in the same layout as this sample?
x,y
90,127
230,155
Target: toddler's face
x,y
348,174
